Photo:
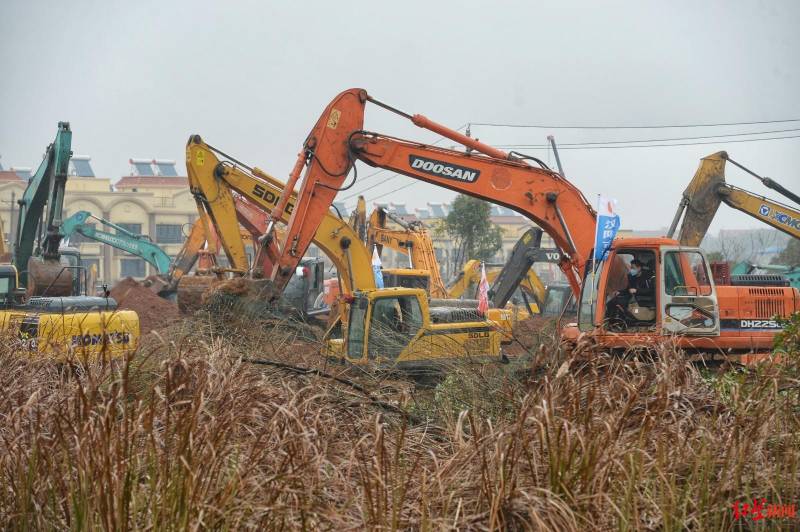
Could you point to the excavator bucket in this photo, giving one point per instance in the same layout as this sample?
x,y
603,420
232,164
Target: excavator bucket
x,y
702,199
191,289
48,278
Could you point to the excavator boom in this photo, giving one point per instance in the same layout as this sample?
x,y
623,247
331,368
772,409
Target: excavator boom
x,y
708,190
39,221
540,194
220,180
136,245
411,240
527,251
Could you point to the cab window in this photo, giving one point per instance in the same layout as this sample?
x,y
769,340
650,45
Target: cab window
x,y
395,322
355,329
589,297
630,296
686,274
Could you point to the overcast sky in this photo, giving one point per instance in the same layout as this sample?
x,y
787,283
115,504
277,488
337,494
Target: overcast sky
x,y
135,79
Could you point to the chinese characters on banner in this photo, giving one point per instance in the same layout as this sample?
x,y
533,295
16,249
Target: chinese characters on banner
x,y
607,226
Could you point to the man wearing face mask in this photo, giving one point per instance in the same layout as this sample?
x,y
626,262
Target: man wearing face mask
x,y
636,281
639,286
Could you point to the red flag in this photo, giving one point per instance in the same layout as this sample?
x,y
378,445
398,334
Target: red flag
x,y
483,292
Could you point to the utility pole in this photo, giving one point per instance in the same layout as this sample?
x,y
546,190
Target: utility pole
x,y
552,140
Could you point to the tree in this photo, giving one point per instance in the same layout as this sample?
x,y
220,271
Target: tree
x,y
469,225
790,255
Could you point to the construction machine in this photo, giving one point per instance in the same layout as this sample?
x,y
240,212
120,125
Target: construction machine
x,y
137,245
708,190
683,306
412,240
216,179
41,302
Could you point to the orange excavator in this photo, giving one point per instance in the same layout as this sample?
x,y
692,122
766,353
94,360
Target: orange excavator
x,y
681,304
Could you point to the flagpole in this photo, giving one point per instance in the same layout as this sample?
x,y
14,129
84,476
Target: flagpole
x,y
594,252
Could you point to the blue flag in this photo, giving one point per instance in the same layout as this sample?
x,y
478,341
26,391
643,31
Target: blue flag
x,y
607,226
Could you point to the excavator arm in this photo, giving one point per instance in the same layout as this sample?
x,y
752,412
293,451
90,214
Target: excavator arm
x,y
338,140
412,240
215,182
527,251
134,244
708,189
40,208
189,253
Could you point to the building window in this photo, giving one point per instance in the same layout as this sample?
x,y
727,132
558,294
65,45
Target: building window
x,y
136,229
77,238
131,268
169,233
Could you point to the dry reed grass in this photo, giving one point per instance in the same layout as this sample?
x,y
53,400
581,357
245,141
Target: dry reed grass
x,y
185,435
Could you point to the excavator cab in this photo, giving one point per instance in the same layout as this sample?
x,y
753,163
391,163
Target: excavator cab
x,y
394,327
407,278
10,292
673,295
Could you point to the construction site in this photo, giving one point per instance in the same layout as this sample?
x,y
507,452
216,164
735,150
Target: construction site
x,y
421,322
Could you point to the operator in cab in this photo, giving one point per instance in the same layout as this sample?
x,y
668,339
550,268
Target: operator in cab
x,y
637,281
636,302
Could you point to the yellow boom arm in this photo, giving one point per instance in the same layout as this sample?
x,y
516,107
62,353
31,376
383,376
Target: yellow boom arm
x,y
708,189
412,240
212,181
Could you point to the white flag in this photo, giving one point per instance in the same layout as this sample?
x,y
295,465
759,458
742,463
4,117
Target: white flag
x,y
376,268
483,292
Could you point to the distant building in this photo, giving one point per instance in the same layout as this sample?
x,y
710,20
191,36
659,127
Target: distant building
x,y
152,201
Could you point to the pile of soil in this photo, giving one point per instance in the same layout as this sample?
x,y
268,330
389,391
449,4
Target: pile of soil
x,y
154,312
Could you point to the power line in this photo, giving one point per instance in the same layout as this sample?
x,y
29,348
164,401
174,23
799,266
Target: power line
x,y
395,190
599,145
560,144
661,126
545,147
542,147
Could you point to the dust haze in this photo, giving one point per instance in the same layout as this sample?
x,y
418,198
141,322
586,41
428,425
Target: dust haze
x,y
136,79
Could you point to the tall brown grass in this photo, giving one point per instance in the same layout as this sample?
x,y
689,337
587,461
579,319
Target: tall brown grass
x,y
185,435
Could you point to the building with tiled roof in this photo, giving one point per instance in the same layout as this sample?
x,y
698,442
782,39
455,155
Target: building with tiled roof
x,y
158,205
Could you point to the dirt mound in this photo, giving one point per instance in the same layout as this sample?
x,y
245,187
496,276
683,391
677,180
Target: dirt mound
x,y
154,312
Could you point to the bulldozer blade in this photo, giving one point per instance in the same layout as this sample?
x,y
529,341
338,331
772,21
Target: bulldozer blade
x,y
48,278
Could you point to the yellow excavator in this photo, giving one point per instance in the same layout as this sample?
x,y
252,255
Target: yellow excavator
x,y
215,179
412,240
708,190
39,308
699,204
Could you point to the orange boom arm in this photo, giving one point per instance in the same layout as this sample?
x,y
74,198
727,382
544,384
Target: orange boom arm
x,y
337,140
